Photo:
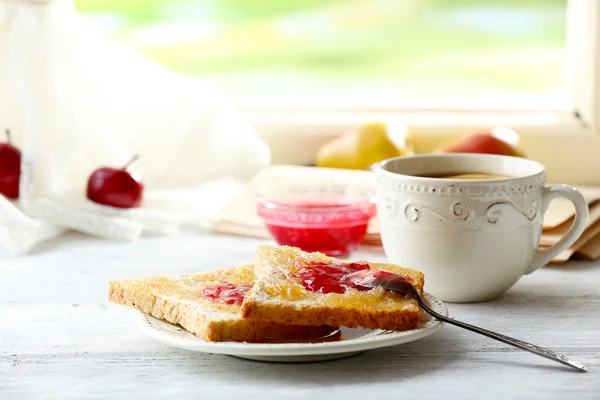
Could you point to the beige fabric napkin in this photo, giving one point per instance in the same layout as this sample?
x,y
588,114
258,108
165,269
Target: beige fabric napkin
x,y
560,219
561,212
553,235
240,216
591,250
590,233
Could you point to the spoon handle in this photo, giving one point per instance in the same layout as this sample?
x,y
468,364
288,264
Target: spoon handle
x,y
540,351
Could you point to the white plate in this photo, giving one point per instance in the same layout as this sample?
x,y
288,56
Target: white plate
x,y
355,340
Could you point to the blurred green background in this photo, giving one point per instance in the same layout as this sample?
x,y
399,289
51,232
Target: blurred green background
x,y
488,53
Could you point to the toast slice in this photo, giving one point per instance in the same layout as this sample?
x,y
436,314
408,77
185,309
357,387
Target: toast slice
x,y
183,300
283,293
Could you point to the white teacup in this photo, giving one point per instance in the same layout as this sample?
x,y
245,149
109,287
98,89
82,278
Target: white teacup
x,y
473,239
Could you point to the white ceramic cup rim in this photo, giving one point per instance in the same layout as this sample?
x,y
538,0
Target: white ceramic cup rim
x,y
411,168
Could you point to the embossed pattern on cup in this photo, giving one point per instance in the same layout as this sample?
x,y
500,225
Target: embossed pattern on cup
x,y
473,239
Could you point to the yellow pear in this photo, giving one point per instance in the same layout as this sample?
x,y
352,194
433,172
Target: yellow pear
x,y
360,148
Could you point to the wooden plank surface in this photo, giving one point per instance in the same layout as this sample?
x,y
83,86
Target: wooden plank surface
x,y
61,339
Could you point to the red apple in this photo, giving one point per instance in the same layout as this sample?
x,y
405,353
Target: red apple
x,y
501,141
10,168
116,187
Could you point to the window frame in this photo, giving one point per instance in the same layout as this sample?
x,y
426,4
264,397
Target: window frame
x,y
295,133
583,50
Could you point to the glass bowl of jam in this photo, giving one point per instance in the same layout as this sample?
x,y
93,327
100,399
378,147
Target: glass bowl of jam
x,y
320,216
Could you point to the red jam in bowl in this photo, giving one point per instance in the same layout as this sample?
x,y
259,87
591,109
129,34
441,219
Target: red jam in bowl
x,y
228,293
331,228
337,278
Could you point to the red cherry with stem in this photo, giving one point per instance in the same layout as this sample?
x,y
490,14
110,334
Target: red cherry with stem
x,y
115,187
10,168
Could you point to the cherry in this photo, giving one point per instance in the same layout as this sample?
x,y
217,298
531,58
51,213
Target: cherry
x,y
10,168
115,187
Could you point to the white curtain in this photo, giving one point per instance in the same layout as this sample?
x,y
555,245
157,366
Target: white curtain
x,y
75,100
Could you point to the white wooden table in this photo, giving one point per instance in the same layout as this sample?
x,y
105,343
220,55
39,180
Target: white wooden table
x,y
60,338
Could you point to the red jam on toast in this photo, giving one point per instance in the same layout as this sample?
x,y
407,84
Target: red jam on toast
x,y
326,278
226,292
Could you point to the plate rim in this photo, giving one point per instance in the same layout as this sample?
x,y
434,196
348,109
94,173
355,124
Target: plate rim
x,y
295,349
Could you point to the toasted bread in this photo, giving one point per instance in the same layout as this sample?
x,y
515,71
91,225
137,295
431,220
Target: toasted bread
x,y
279,296
178,301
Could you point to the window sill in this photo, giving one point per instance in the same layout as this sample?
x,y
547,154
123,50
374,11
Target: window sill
x,y
570,151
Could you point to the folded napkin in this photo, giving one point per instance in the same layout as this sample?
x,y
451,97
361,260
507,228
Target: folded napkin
x,y
565,212
75,101
589,251
240,217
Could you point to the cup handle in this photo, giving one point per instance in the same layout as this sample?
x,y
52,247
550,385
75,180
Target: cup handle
x,y
543,257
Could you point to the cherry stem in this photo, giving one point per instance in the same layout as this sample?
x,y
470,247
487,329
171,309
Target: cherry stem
x,y
133,159
8,138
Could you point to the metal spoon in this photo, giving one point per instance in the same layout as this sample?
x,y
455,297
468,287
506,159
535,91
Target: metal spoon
x,y
371,279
